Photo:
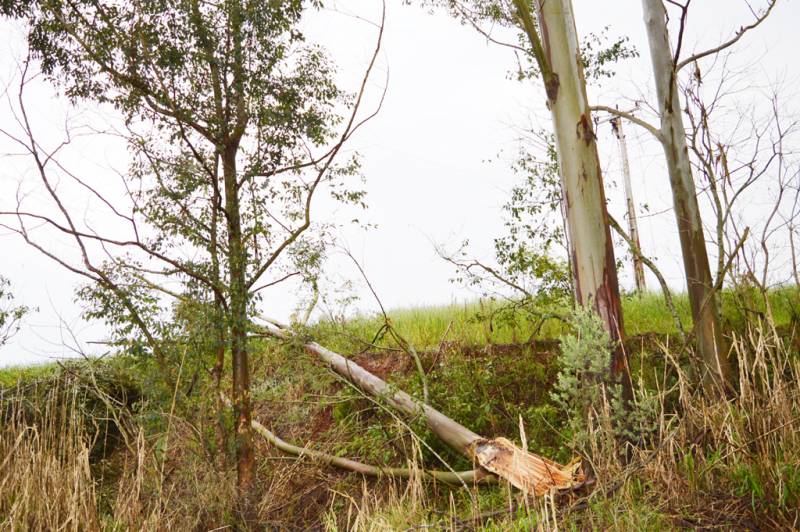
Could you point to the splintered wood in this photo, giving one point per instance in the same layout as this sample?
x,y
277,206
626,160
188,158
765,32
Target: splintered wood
x,y
525,471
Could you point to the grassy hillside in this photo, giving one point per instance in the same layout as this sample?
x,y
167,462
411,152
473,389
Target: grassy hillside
x,y
108,445
480,323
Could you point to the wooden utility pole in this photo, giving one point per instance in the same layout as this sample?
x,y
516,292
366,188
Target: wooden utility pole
x,y
633,226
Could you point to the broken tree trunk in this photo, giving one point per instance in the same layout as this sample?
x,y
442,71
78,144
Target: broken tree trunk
x,y
526,471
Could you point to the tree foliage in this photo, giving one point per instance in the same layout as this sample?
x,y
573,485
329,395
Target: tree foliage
x,y
11,314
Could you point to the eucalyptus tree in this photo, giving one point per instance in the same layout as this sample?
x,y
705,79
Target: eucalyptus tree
x,y
11,314
671,133
555,47
550,42
234,123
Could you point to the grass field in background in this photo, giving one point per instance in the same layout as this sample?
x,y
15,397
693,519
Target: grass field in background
x,y
468,323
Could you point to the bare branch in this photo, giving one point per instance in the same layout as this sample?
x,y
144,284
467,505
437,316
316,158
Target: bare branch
x,y
739,34
349,129
653,268
631,118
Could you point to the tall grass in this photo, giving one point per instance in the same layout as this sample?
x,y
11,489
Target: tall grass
x,y
483,322
707,462
45,476
74,459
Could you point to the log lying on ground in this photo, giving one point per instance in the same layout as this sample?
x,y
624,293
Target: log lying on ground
x,y
449,477
524,470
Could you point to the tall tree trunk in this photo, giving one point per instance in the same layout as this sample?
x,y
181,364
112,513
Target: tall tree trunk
x,y
710,342
245,459
218,317
593,265
633,226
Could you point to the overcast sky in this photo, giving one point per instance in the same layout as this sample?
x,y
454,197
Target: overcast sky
x,y
436,158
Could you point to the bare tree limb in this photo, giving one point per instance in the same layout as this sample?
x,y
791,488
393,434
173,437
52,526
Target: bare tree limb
x,y
653,268
631,118
454,478
727,44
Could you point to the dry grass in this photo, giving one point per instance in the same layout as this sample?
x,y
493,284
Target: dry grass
x,y
60,471
45,477
729,464
48,480
707,463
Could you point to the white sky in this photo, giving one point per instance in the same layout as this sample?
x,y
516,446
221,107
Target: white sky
x,y
436,157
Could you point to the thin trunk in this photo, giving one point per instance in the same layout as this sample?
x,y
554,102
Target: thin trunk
x,y
794,255
237,265
711,344
218,323
593,265
245,459
633,226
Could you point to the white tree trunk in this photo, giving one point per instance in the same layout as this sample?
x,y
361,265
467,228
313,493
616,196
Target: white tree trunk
x,y
687,211
633,225
593,264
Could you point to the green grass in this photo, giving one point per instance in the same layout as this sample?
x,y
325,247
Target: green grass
x,y
12,375
490,390
427,327
479,323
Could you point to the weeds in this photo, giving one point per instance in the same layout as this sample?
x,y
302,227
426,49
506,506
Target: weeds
x,y
698,462
95,447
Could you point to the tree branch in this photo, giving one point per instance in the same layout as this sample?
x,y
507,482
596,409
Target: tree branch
x,y
731,42
653,268
631,118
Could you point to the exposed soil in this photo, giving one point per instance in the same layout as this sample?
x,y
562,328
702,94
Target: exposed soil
x,y
384,363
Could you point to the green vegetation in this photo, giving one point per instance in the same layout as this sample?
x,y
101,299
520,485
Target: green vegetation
x,y
478,323
236,131
147,448
10,376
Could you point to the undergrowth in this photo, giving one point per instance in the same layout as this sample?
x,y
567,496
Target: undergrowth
x,y
107,445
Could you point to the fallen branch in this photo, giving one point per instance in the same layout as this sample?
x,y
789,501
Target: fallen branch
x,y
449,477
526,471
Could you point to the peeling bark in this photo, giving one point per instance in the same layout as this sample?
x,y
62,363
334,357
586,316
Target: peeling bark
x,y
702,297
592,252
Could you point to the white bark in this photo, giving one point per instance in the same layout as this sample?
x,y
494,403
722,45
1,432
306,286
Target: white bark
x,y
593,264
633,226
687,211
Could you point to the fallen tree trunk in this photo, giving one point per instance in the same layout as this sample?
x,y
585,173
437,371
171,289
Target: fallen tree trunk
x,y
526,471
448,477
